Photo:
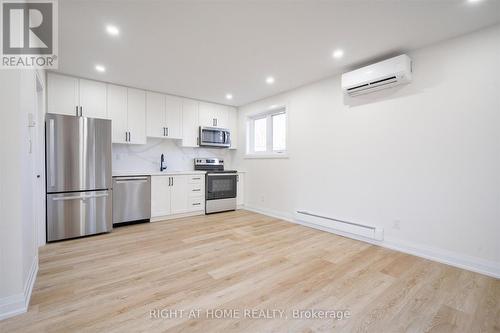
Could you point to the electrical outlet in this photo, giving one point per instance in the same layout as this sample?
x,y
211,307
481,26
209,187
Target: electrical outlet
x,y
396,224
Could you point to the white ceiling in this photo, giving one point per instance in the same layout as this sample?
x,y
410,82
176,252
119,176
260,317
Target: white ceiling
x,y
205,49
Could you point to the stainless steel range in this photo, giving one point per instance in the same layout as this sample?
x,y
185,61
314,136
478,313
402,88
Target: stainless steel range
x,y
221,185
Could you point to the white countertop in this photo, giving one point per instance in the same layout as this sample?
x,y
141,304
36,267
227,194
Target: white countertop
x,y
156,173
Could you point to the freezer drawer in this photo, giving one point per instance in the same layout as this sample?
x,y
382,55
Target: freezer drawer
x,y
78,214
131,198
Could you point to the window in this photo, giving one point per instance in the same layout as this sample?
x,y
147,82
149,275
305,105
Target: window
x,y
267,134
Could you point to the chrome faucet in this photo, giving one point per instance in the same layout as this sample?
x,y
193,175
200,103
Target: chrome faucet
x,y
163,165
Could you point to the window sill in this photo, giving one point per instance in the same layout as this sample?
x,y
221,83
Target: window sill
x,y
266,156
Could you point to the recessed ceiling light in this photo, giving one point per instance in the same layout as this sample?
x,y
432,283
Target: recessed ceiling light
x,y
337,54
112,30
474,1
100,68
229,96
269,80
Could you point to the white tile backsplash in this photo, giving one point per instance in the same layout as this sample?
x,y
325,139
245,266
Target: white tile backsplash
x,y
147,157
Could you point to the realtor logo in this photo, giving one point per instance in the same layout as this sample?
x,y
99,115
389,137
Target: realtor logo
x,y
29,34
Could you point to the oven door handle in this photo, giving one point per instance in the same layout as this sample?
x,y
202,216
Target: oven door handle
x,y
221,174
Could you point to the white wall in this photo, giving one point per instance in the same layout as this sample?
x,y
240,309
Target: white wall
x,y
425,155
146,157
18,231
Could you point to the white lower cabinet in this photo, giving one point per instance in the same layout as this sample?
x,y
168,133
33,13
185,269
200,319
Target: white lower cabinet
x,y
177,194
160,196
240,189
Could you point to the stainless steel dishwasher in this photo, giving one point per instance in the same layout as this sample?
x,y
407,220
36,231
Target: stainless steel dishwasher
x,y
131,199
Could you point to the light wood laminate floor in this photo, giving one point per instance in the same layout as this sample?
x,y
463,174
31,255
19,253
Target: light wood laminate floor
x,y
240,261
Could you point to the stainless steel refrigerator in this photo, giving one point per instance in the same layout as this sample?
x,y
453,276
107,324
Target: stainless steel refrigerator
x,y
79,179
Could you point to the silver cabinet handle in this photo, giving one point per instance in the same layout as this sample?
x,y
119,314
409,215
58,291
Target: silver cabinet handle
x,y
167,131
77,114
129,136
81,111
196,189
126,136
196,204
197,178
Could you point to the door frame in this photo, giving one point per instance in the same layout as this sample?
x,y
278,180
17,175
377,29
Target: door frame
x,y
39,195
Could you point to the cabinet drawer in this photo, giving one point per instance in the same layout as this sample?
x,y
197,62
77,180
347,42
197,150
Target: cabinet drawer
x,y
196,189
196,203
196,179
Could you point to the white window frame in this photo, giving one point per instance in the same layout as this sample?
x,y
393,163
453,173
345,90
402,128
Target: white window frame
x,y
268,115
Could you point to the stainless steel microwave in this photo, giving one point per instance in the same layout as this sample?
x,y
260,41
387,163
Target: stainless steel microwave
x,y
215,137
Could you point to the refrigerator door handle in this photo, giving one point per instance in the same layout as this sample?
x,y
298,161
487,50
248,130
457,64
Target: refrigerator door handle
x,y
52,162
81,197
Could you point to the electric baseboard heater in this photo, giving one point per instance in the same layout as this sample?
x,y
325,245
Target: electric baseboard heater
x,y
353,228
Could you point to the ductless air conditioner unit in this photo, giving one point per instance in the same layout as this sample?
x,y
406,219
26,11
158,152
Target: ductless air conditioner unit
x,y
381,75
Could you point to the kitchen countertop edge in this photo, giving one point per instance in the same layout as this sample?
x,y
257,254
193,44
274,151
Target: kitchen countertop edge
x,y
156,173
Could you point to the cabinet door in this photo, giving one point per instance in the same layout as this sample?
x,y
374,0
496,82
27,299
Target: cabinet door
x,y
136,112
221,116
233,126
179,195
117,112
190,125
173,116
155,115
208,114
160,196
62,94
93,99
240,189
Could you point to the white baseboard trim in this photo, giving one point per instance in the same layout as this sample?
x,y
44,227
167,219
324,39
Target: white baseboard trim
x,y
474,264
16,304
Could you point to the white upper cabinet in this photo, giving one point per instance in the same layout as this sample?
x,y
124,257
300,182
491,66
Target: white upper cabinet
x,y
136,116
233,126
164,116
127,111
155,115
93,99
173,116
222,116
77,97
190,123
62,94
117,112
213,115
207,114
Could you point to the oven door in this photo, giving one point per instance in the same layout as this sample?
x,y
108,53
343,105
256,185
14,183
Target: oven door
x,y
221,186
215,137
